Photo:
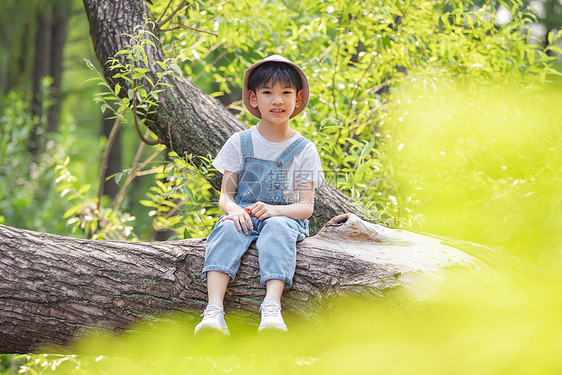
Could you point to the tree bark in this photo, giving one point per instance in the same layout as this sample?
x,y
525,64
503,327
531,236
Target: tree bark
x,y
52,287
187,120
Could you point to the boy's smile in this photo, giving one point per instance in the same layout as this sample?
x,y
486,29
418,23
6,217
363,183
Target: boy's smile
x,y
276,103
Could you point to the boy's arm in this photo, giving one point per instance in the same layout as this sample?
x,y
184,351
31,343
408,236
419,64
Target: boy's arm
x,y
301,210
228,205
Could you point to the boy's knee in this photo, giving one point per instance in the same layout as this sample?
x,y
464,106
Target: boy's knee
x,y
228,227
280,223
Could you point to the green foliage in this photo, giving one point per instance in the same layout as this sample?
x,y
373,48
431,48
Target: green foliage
x,y
492,163
96,221
181,199
136,92
355,54
27,199
136,89
35,364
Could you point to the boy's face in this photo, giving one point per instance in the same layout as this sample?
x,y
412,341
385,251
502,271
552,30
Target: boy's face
x,y
276,102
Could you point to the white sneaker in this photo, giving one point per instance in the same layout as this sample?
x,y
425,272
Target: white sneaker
x,y
213,320
271,317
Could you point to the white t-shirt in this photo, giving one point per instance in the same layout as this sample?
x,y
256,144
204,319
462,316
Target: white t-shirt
x,y
305,166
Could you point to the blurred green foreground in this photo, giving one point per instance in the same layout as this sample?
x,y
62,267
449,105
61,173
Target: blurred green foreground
x,y
482,165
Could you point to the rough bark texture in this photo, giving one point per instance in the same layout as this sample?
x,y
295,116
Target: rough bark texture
x,y
53,287
187,119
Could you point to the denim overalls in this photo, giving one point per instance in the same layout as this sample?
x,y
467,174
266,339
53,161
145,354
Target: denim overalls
x,y
259,180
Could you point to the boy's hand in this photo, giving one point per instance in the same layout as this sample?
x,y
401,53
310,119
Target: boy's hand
x,y
262,211
241,219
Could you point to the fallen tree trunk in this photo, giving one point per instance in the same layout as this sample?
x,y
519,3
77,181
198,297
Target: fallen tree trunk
x,y
52,287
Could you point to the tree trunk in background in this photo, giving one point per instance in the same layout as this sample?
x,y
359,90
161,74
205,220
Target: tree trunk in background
x,y
61,14
41,68
52,287
17,26
187,120
50,37
21,69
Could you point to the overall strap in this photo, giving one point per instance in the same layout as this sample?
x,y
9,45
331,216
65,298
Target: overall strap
x,y
292,150
246,143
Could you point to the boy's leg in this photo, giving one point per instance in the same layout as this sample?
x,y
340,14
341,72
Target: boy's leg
x,y
216,286
213,316
225,247
277,248
274,289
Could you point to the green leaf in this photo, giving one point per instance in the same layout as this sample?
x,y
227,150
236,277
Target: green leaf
x,y
89,64
84,189
118,177
148,203
138,75
72,211
65,192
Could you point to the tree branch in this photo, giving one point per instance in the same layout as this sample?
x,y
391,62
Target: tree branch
x,y
190,28
164,12
167,19
105,155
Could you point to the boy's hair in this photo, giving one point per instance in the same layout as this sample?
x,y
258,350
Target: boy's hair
x,y
273,72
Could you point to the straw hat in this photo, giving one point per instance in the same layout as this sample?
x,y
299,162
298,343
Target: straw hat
x,y
277,58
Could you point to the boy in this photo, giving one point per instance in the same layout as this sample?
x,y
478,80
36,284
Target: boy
x,y
267,192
